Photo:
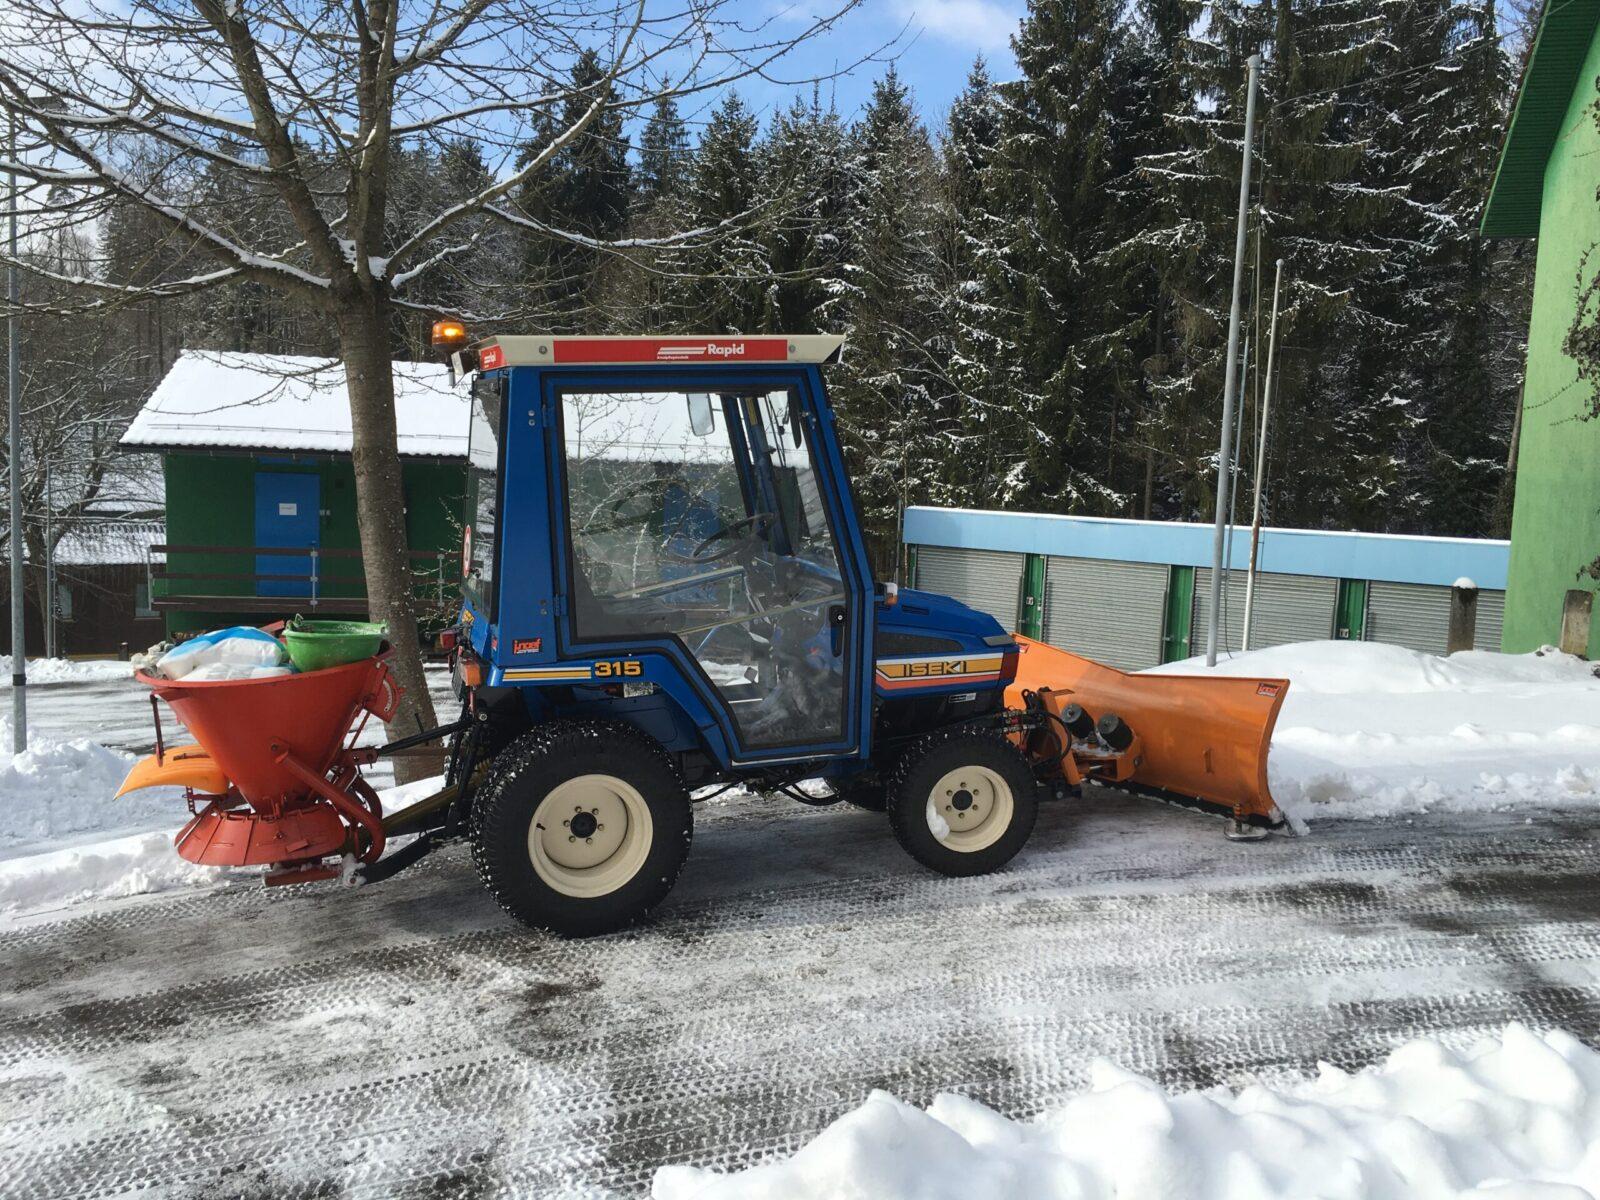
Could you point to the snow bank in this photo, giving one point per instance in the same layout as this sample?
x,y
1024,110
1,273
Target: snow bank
x,y
69,788
57,789
1517,1118
1371,730
63,670
129,866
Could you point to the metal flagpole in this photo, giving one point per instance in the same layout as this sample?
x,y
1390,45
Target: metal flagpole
x,y
19,653
1231,378
1233,486
1261,457
50,559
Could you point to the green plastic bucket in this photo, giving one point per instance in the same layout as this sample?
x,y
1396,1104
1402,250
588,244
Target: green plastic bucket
x,y
317,645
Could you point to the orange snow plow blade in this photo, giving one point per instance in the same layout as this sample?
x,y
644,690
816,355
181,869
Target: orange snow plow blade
x,y
1195,737
187,766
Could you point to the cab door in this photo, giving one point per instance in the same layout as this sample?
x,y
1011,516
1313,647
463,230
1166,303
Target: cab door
x,y
698,516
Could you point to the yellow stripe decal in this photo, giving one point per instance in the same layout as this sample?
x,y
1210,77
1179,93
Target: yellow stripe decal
x,y
542,673
941,667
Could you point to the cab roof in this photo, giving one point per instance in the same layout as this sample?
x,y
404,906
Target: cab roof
x,y
541,350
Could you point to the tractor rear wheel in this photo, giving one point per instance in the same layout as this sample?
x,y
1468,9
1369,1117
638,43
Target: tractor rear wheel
x,y
581,827
963,802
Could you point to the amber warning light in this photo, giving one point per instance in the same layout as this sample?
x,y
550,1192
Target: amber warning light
x,y
449,335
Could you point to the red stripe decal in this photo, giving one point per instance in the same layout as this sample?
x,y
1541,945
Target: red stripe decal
x,y
670,350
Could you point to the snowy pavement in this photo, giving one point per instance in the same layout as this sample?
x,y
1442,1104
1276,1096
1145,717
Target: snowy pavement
x,y
406,1039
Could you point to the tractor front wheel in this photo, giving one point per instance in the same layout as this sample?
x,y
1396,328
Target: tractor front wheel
x,y
581,827
963,802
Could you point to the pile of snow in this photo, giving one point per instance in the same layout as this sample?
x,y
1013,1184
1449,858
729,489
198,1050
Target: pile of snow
x,y
1516,1118
56,789
127,866
1372,730
65,670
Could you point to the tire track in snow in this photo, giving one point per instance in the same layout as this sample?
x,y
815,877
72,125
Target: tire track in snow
x,y
740,1024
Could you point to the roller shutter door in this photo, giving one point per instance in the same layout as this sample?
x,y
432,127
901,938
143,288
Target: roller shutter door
x,y
987,580
1491,621
1417,616
1108,611
1288,608
1413,615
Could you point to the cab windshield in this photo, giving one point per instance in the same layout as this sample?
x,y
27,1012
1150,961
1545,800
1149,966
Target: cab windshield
x,y
700,517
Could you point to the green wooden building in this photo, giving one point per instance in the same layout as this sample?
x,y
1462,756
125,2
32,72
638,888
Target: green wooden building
x,y
260,489
1545,188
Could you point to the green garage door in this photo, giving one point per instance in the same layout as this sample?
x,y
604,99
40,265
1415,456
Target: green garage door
x,y
1108,611
1288,608
987,580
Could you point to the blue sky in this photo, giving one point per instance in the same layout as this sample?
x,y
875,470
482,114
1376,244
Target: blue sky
x,y
937,41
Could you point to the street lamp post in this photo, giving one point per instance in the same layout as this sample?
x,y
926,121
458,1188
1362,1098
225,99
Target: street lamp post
x,y
19,653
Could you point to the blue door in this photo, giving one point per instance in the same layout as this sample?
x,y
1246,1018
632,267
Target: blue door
x,y
287,515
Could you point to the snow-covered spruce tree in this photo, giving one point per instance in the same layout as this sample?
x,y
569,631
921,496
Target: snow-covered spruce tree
x,y
1434,116
805,185
1340,414
1152,93
721,278
587,189
1051,207
310,103
886,389
663,153
980,370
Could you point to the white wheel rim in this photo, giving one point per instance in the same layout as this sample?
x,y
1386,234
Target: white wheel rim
x,y
590,835
974,804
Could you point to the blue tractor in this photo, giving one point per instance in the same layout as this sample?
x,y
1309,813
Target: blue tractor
x,y
667,590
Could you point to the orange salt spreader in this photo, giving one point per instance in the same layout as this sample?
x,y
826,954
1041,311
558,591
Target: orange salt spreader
x,y
275,777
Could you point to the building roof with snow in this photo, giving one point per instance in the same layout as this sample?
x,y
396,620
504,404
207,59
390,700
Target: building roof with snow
x,y
221,400
97,543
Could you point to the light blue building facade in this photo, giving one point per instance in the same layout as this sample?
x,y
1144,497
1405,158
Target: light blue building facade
x,y
1134,593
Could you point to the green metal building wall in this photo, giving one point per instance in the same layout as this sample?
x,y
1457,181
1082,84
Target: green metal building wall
x,y
211,502
1545,187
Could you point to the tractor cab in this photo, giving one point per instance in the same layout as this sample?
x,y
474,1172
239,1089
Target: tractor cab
x,y
670,519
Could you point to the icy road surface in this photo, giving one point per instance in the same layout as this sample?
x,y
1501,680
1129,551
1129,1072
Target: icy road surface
x,y
406,1039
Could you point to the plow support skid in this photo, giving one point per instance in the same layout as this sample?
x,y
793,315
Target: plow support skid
x,y
1199,737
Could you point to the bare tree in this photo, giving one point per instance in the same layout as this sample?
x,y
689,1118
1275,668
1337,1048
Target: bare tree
x,y
77,400
307,105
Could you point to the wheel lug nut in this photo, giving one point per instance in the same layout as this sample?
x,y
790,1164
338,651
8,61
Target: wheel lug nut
x,y
571,839
588,841
565,824
599,826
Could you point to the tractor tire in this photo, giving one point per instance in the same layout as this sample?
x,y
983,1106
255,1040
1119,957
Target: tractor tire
x,y
581,827
963,802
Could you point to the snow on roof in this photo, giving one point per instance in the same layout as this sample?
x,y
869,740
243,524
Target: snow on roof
x,y
284,402
99,543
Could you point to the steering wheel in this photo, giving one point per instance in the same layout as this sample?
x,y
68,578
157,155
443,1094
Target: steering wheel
x,y
699,553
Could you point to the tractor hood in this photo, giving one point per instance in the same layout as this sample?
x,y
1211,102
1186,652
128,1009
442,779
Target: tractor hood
x,y
934,615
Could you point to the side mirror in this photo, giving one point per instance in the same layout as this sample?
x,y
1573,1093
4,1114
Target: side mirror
x,y
700,418
794,422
